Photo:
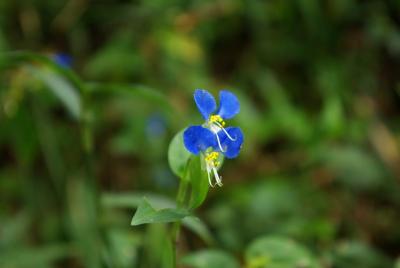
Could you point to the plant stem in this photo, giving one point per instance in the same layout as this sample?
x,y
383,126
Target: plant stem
x,y
180,199
86,132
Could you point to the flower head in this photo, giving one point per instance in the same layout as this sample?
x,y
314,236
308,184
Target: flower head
x,y
211,139
63,59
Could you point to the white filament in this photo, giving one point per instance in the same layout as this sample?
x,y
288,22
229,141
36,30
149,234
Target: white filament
x,y
214,128
226,132
209,177
219,143
217,178
212,170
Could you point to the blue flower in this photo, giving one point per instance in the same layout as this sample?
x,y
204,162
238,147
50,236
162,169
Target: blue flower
x,y
212,138
228,108
155,126
63,59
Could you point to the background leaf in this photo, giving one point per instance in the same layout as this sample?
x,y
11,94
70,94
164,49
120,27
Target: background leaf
x,y
35,257
61,88
198,227
355,254
210,259
278,252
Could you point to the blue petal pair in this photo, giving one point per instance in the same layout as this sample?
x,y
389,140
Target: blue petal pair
x,y
212,138
228,108
198,139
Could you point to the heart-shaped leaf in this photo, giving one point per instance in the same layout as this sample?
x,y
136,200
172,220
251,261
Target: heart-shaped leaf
x,y
199,181
178,156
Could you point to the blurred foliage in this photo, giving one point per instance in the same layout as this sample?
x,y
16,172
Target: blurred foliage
x,y
317,182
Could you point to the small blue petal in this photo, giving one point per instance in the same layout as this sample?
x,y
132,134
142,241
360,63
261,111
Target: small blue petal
x,y
231,147
63,59
205,102
198,138
229,105
155,126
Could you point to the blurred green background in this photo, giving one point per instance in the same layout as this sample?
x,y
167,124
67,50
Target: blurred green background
x,y
316,184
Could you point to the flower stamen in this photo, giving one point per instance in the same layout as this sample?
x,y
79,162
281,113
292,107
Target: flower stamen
x,y
212,158
216,119
219,143
226,132
217,178
209,177
211,165
216,123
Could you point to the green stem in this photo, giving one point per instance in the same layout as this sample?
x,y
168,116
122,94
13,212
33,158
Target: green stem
x,y
49,146
86,132
180,200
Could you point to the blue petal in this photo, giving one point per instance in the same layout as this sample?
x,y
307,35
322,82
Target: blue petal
x,y
198,138
229,105
205,102
63,59
231,147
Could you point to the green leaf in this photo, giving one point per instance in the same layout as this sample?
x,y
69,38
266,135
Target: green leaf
x,y
131,91
278,252
397,264
147,214
210,259
35,257
198,227
15,58
158,244
83,223
134,199
178,156
357,254
199,181
61,81
61,88
123,247
352,166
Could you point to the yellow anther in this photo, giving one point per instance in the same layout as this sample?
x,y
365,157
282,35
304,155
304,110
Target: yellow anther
x,y
211,157
216,118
